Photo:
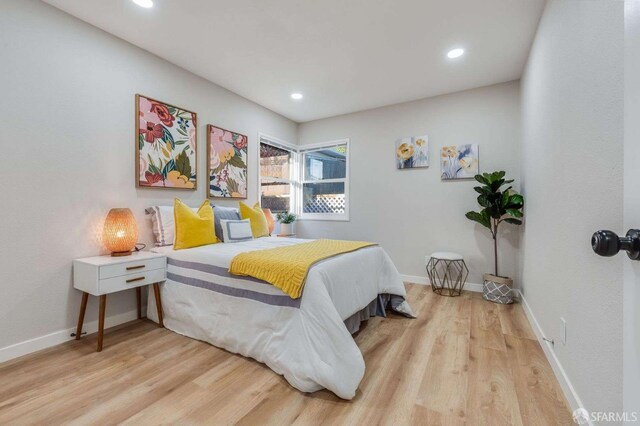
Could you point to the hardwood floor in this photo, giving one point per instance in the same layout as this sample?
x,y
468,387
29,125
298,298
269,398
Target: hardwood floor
x,y
462,361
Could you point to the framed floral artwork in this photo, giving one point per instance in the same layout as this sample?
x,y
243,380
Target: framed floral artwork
x,y
227,154
166,145
459,161
412,152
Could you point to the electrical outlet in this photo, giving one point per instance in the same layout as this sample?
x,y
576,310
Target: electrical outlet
x,y
564,331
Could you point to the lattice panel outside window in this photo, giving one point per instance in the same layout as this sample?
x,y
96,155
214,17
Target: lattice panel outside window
x,y
326,204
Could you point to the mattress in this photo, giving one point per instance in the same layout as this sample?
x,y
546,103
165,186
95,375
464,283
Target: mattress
x,y
304,339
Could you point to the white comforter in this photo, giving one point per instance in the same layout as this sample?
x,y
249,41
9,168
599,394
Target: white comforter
x,y
305,340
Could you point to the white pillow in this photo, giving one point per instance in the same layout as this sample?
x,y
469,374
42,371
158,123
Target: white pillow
x,y
236,230
164,228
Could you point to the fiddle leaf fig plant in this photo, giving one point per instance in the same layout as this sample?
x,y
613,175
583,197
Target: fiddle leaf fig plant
x,y
499,205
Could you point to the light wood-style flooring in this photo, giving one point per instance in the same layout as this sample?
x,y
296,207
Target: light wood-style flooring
x,y
462,361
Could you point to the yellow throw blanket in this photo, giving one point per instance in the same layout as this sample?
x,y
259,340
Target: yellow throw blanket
x,y
287,267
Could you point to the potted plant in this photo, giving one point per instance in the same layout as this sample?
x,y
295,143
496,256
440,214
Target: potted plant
x,y
286,220
499,205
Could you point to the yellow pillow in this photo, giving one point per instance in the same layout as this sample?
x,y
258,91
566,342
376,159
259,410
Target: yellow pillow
x,y
259,225
193,229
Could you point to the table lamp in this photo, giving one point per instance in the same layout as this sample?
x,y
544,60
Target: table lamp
x,y
120,232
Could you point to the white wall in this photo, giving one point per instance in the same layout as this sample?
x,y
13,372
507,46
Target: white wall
x,y
631,360
572,166
412,213
67,140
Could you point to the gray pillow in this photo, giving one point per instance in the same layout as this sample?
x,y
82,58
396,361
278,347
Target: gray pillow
x,y
224,213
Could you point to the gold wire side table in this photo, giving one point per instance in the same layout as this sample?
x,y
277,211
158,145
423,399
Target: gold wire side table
x,y
447,273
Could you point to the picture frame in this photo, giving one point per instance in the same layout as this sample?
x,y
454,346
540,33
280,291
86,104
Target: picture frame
x,y
412,152
166,143
227,163
459,162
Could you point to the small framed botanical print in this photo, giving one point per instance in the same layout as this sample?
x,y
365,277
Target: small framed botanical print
x,y
459,161
166,145
412,152
226,163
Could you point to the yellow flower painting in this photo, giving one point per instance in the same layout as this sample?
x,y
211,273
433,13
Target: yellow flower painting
x,y
459,161
412,152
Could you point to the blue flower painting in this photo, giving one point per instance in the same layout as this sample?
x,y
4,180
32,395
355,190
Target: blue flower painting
x,y
459,161
412,152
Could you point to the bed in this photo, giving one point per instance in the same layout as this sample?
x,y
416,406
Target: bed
x,y
307,340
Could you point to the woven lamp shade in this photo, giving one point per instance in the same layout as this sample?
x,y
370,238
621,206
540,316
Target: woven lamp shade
x,y
270,221
120,232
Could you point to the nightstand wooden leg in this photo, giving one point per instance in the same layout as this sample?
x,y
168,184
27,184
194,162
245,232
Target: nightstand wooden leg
x,y
83,309
156,291
103,305
139,300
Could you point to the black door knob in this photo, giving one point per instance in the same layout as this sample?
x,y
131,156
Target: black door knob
x,y
608,243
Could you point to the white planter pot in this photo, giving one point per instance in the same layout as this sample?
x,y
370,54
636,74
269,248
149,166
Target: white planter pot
x,y
287,228
497,289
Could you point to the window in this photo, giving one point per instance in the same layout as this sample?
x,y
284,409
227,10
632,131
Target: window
x,y
324,181
311,181
277,174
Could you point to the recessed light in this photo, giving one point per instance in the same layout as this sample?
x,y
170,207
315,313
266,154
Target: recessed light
x,y
296,96
455,53
144,3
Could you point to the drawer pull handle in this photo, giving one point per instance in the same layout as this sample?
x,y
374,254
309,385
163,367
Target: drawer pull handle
x,y
131,268
132,280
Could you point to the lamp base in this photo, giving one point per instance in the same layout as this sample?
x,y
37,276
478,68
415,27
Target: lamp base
x,y
120,253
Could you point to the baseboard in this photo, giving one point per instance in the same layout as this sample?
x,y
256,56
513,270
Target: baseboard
x,y
475,287
567,388
43,342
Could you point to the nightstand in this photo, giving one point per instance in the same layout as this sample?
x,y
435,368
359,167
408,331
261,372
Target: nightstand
x,y
102,275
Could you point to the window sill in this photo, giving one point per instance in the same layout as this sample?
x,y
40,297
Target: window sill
x,y
325,219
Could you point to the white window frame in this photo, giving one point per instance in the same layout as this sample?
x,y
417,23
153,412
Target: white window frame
x,y
344,217
293,180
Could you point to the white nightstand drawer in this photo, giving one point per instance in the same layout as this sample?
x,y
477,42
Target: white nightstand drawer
x,y
134,267
125,282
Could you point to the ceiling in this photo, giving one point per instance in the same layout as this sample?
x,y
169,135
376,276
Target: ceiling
x,y
342,55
